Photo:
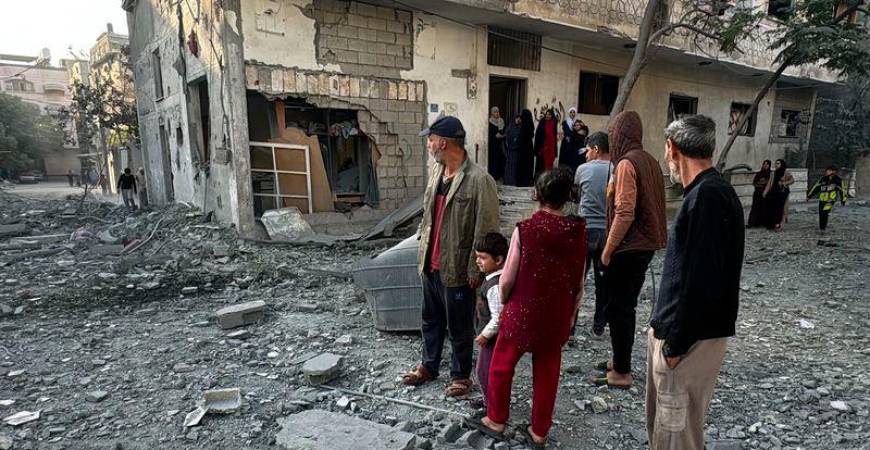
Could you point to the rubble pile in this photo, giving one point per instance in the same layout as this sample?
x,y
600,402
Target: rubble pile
x,y
163,329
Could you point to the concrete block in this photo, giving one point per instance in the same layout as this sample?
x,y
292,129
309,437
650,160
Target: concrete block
x,y
364,9
402,39
357,20
240,315
403,16
277,80
392,90
378,48
358,45
374,23
222,401
397,27
252,80
323,84
346,56
265,76
375,89
289,80
421,91
96,396
300,82
323,430
394,50
347,31
337,43
368,59
367,34
386,37
364,88
386,13
322,368
354,87
404,63
403,91
15,229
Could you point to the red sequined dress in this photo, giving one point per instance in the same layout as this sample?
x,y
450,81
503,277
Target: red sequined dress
x,y
552,256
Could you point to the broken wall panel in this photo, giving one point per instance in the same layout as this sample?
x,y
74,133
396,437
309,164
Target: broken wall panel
x,y
391,124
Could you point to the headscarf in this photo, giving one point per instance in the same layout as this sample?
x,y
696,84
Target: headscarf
x,y
763,173
528,123
568,120
498,123
779,173
625,134
513,131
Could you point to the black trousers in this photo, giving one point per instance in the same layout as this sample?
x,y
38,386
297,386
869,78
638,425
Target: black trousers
x,y
824,214
624,279
595,240
447,312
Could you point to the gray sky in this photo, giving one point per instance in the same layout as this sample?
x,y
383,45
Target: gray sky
x,y
29,25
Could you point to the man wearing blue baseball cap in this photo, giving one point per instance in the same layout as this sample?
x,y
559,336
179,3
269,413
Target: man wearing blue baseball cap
x,y
460,207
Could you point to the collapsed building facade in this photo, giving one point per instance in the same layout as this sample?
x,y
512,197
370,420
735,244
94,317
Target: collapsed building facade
x,y
255,105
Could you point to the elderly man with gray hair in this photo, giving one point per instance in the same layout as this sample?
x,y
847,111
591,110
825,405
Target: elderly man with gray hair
x,y
696,310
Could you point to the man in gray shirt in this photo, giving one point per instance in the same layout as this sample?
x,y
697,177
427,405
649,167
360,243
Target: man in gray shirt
x,y
592,179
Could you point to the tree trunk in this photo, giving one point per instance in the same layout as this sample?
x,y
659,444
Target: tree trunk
x,y
639,60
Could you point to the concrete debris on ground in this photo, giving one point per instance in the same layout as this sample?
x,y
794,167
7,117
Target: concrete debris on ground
x,y
222,401
323,430
240,315
75,322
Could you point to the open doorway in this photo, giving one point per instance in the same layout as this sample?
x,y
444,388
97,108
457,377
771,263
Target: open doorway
x,y
509,94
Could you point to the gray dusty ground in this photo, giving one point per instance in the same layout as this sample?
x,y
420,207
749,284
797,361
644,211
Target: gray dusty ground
x,y
78,322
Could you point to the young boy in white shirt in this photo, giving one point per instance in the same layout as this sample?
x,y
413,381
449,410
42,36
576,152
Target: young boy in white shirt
x,y
490,254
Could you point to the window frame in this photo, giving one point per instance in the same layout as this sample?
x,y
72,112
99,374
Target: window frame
x,y
751,125
157,69
603,105
513,49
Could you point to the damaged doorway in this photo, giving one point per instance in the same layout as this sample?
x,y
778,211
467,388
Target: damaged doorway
x,y
508,94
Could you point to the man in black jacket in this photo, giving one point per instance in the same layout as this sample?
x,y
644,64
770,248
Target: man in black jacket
x,y
127,186
696,310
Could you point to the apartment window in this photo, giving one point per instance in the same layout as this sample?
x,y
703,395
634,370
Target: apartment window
x,y
679,106
738,110
789,123
781,9
158,75
597,93
516,49
19,86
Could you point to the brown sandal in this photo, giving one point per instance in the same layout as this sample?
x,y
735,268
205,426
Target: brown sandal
x,y
419,376
458,388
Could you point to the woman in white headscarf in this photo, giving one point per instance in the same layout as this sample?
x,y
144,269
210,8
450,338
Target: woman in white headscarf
x,y
496,144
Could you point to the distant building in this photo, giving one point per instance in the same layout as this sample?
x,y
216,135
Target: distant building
x,y
233,95
34,80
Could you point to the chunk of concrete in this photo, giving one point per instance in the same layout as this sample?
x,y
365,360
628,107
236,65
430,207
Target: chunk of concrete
x,y
96,396
193,418
322,368
107,250
15,229
323,430
222,401
189,290
21,418
240,315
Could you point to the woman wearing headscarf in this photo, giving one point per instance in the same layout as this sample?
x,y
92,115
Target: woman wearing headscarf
x,y
568,124
512,150
760,180
776,194
525,169
573,150
496,141
546,141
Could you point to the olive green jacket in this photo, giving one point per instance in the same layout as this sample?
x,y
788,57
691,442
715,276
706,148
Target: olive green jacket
x,y
471,213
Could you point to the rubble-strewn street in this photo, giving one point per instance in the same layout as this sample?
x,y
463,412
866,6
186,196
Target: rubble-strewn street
x,y
110,340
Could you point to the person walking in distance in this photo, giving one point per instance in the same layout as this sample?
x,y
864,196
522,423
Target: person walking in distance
x,y
636,228
696,309
591,179
142,187
829,190
460,207
127,186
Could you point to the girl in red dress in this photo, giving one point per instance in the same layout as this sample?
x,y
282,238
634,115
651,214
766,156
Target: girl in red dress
x,y
541,286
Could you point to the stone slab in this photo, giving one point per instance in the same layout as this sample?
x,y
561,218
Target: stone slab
x,y
240,315
323,430
15,229
322,368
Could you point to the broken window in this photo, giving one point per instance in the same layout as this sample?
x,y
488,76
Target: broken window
x,y
780,9
279,173
510,48
789,123
345,149
679,106
158,75
738,110
199,120
597,93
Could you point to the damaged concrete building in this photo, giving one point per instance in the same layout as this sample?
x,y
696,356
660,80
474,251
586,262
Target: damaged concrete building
x,y
246,106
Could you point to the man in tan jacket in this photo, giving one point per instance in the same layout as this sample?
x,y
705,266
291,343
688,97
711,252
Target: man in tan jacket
x,y
460,207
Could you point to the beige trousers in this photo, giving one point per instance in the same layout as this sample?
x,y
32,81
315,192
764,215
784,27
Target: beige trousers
x,y
677,399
